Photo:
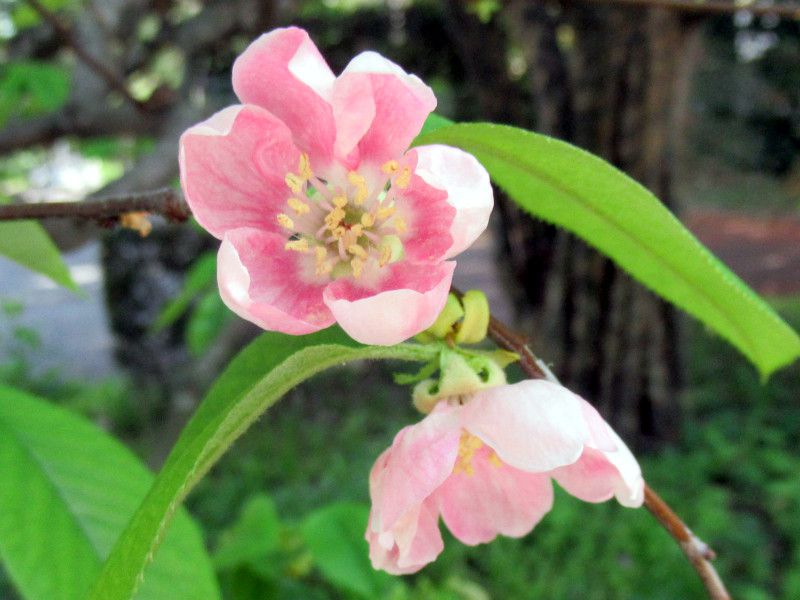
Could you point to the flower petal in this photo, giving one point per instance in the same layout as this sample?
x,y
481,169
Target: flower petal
x,y
405,301
598,475
429,217
533,425
468,190
493,498
419,460
265,284
414,543
378,108
233,167
284,72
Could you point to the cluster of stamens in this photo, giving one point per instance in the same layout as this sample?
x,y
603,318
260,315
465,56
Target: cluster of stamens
x,y
344,227
467,447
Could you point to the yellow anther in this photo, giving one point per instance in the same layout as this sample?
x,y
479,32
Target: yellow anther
x,y
495,461
357,250
367,220
338,232
340,201
356,230
285,221
390,167
400,225
298,206
386,255
295,183
361,187
333,218
321,253
403,179
356,179
358,266
468,446
323,268
297,245
305,167
385,212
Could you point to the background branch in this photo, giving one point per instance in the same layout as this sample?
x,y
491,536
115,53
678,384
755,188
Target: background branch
x,y
714,7
114,81
697,551
166,202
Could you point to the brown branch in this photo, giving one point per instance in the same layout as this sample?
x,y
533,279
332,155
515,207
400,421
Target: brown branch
x,y
697,551
166,202
712,7
156,102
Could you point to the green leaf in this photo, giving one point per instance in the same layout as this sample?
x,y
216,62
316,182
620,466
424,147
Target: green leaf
x,y
207,321
335,536
68,490
27,243
434,122
201,276
252,538
574,189
263,372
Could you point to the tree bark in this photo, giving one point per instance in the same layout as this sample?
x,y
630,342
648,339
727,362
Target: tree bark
x,y
612,80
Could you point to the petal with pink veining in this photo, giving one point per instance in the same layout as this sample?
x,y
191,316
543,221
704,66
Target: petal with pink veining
x,y
406,300
392,106
468,189
284,72
493,498
233,167
263,283
533,425
428,215
419,460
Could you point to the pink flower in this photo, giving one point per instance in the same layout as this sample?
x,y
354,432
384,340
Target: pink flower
x,y
324,214
485,464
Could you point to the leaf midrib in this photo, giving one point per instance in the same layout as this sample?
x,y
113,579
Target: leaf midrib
x,y
555,183
48,477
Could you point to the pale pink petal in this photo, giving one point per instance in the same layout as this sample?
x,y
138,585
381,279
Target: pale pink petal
x,y
428,216
492,499
533,425
419,460
413,543
284,72
598,476
602,437
468,190
233,167
265,284
392,106
407,300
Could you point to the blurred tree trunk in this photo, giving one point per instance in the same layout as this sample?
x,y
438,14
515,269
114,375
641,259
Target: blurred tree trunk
x,y
612,80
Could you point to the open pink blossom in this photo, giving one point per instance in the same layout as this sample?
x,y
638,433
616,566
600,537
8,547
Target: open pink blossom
x,y
485,464
324,214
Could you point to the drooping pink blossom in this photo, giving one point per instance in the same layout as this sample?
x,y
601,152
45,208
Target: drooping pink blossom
x,y
485,464
324,213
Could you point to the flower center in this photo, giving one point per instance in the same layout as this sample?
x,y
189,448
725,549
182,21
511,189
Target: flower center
x,y
344,227
467,447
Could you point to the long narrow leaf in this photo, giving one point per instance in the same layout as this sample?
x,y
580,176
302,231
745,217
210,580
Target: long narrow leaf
x,y
27,243
262,373
574,189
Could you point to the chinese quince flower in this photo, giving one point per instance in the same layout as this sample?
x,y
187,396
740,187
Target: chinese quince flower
x,y
485,462
324,214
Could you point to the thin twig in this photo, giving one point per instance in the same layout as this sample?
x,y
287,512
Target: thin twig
x,y
697,551
166,202
713,7
156,102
